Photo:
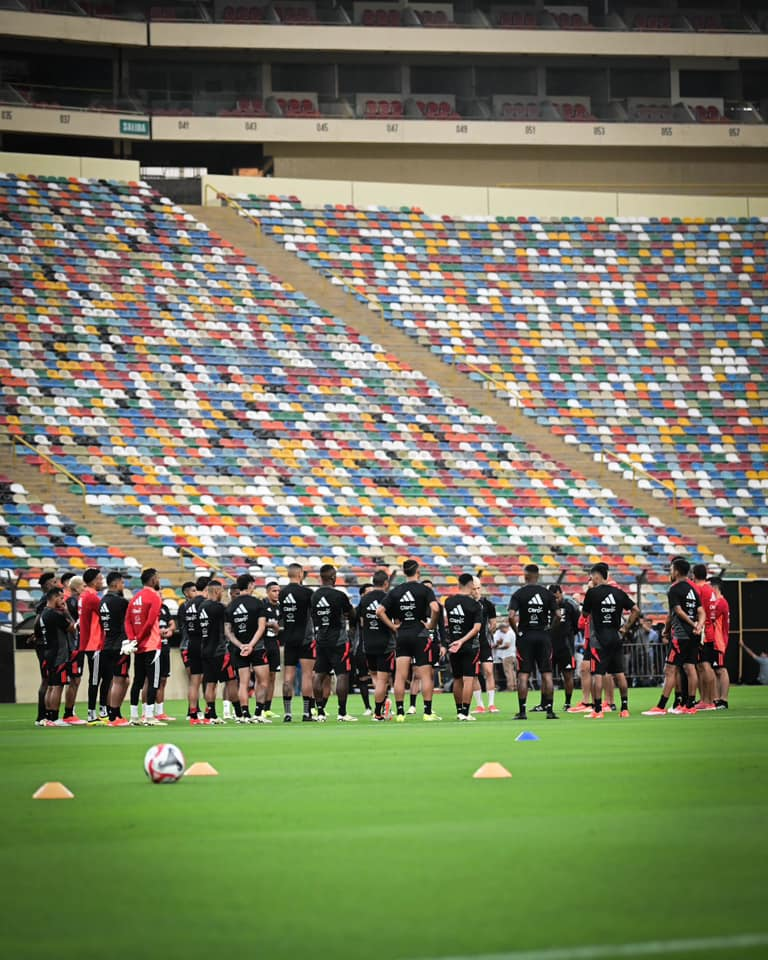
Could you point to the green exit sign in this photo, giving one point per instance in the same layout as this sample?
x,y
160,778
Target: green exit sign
x,y
137,128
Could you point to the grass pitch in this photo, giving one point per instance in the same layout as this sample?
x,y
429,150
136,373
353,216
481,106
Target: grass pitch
x,y
345,841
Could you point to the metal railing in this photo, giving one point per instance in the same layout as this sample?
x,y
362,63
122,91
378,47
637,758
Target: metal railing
x,y
56,467
228,201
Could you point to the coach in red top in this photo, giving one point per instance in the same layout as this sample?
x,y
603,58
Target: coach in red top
x,y
92,636
142,628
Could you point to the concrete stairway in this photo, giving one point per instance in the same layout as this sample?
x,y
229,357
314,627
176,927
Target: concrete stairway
x,y
242,233
104,531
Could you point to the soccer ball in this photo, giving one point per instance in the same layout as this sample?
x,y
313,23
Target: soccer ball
x,y
164,763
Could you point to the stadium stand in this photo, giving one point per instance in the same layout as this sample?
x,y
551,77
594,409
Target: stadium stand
x,y
206,405
36,537
643,335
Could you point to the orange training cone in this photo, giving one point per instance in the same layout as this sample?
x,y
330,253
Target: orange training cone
x,y
491,771
201,769
53,791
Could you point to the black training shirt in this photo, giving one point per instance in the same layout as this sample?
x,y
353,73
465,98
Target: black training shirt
x,y
112,615
330,608
377,638
295,600
535,607
409,603
462,613
244,613
605,605
211,622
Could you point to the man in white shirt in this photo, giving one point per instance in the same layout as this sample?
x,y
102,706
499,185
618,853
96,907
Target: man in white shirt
x,y
505,653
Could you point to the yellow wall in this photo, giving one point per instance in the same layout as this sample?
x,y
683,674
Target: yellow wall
x,y
94,168
490,201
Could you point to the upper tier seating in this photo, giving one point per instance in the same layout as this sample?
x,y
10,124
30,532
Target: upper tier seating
x,y
207,405
642,337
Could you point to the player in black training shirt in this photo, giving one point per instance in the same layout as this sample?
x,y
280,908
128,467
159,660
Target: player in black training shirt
x,y
564,630
410,610
332,615
46,582
487,631
56,627
191,625
272,642
112,611
378,642
188,592
531,610
167,623
245,628
685,632
298,641
217,662
605,605
464,623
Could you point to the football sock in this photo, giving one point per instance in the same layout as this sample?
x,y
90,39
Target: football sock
x,y
237,708
342,705
134,712
689,702
364,695
259,709
210,709
91,714
625,703
427,707
52,715
307,705
521,703
113,713
149,711
491,697
662,703
244,712
288,705
193,713
597,705
465,708
678,701
42,713
413,697
159,708
400,708
478,695
567,704
267,704
379,708
104,710
69,712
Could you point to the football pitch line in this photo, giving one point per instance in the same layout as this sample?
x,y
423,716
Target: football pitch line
x,y
651,948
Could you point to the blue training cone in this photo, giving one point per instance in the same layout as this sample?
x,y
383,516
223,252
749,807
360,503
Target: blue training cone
x,y
526,735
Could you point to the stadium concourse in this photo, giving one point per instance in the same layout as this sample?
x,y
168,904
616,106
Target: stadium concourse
x,y
206,406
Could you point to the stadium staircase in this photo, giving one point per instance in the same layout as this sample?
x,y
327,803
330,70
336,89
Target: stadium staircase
x,y
43,486
244,235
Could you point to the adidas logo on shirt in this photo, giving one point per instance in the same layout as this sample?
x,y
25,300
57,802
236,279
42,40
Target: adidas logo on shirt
x,y
322,602
408,597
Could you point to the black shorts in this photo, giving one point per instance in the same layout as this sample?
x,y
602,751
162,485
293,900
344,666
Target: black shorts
x,y
107,662
42,664
465,663
420,648
562,659
76,662
273,656
708,654
292,654
608,657
258,658
336,660
194,660
486,652
165,661
218,669
58,676
534,650
683,650
381,662
122,667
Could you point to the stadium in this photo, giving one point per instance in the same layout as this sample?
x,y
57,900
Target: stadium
x,y
322,293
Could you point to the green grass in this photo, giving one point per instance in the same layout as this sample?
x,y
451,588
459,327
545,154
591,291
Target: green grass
x,y
346,841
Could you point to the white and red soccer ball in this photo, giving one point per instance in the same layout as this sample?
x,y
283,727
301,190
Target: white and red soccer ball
x,y
164,763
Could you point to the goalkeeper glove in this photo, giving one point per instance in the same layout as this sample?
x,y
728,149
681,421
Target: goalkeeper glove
x,y
128,647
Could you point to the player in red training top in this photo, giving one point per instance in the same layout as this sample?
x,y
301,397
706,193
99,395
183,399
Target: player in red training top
x,y
722,626
142,629
707,656
92,639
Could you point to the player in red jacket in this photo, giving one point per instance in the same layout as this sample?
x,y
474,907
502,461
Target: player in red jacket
x,y
142,630
721,629
92,639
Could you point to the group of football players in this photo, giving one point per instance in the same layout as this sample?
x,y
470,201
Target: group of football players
x,y
392,640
